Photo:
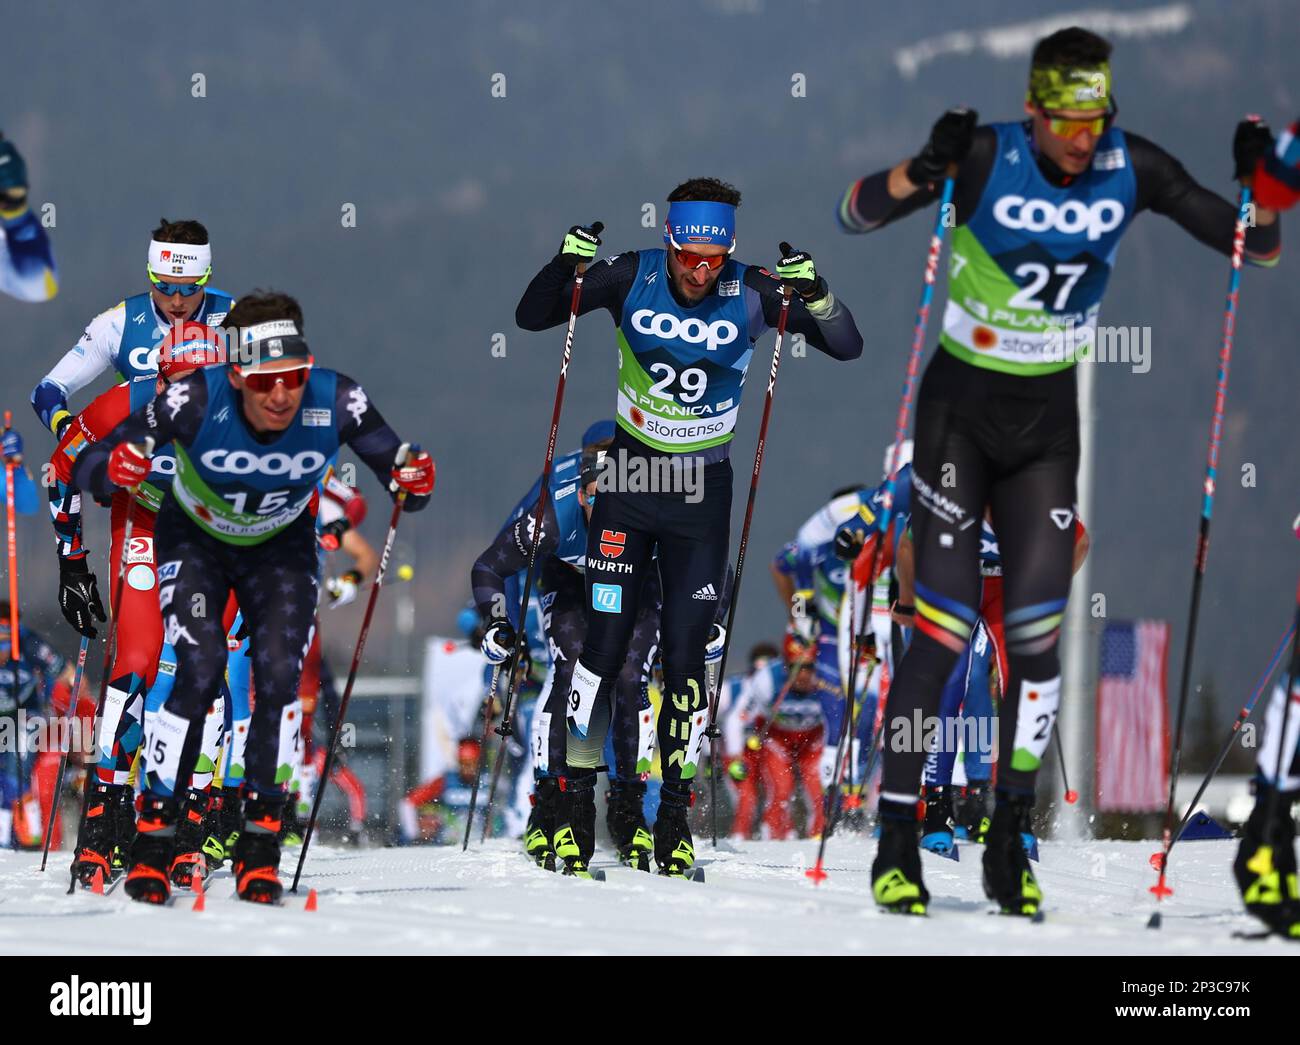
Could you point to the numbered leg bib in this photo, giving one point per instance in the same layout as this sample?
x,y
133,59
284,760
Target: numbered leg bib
x,y
165,739
1035,717
582,699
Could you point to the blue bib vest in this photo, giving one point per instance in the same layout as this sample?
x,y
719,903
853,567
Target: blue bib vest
x,y
1030,265
681,370
242,491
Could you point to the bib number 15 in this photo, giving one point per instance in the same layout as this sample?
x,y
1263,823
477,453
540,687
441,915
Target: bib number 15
x,y
269,502
690,383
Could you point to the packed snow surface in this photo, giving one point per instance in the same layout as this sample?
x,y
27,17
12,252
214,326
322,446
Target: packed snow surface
x,y
756,900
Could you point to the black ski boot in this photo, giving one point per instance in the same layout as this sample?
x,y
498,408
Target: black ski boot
x,y
674,847
187,856
971,812
541,823
575,822
151,852
292,828
936,833
1008,879
257,852
625,818
98,835
213,847
232,819
896,881
124,819
1265,867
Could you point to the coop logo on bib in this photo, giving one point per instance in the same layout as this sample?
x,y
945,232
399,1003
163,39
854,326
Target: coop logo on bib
x,y
693,331
242,462
1070,218
143,358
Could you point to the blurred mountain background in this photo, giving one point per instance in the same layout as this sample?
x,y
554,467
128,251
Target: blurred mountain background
x,y
461,196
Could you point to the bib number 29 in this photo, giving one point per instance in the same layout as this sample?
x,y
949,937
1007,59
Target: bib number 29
x,y
691,383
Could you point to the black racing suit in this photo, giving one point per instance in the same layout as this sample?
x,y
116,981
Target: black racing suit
x,y
274,582
687,535
562,590
1009,442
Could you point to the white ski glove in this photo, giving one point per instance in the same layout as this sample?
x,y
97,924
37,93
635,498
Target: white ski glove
x,y
713,648
343,589
499,641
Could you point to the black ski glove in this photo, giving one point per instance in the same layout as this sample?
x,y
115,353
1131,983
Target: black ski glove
x,y
79,596
950,141
1251,143
580,244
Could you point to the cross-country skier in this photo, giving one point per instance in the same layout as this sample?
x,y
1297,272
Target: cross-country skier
x,y
1265,866
27,269
26,685
687,317
140,628
790,752
1040,209
126,337
252,441
562,555
341,509
741,727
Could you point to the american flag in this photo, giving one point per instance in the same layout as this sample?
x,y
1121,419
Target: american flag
x,y
1132,718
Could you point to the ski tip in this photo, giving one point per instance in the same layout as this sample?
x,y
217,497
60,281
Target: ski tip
x,y
1154,921
97,884
1039,917
1071,797
310,905
697,875
598,874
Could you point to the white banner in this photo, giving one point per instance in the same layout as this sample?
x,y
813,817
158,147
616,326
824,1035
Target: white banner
x,y
453,696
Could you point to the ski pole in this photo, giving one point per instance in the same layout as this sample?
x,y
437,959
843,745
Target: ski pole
x,y
497,763
1240,721
115,605
482,749
1071,796
817,873
521,640
711,731
398,503
63,761
1160,889
853,707
11,533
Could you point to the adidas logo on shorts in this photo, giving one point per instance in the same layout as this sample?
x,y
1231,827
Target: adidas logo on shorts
x,y
707,592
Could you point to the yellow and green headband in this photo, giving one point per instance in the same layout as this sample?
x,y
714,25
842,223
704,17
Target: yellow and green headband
x,y
1060,89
